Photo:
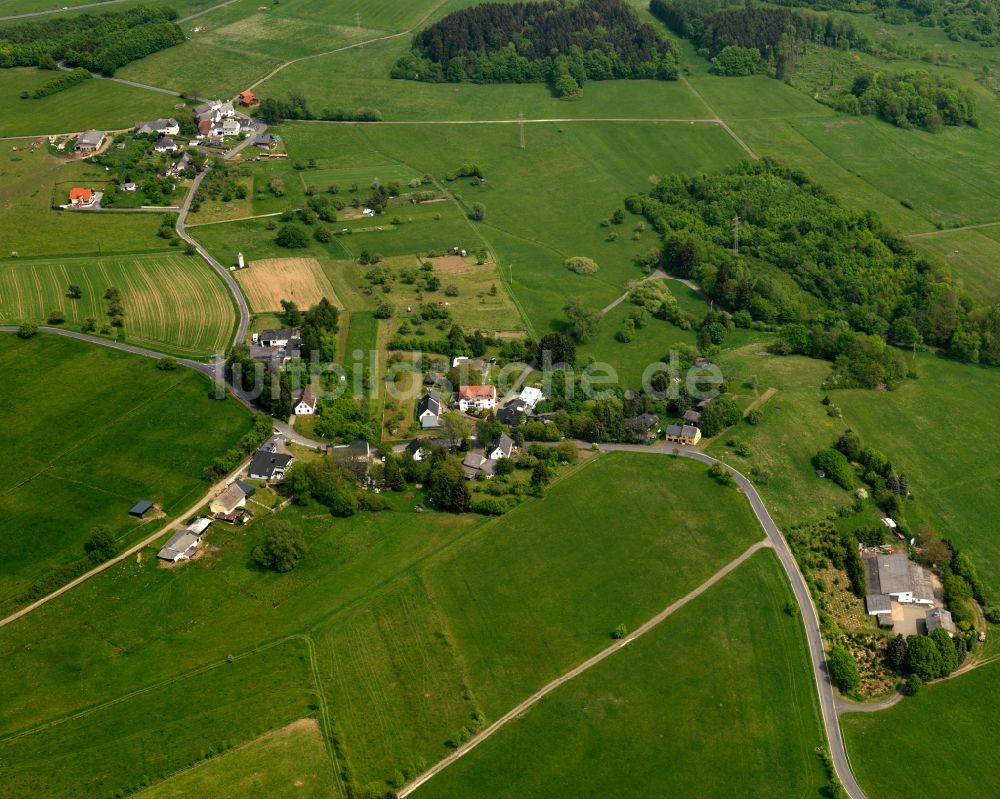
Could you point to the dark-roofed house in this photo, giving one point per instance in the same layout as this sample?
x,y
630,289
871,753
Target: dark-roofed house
x,y
642,427
175,168
686,434
475,462
269,466
939,617
180,546
415,449
512,413
163,127
141,508
503,447
429,411
165,145
265,141
276,337
356,456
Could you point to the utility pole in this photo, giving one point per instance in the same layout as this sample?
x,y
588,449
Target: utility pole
x,y
520,125
736,235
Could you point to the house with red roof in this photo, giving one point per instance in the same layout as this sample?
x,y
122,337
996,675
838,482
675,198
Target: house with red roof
x,y
478,398
81,198
247,98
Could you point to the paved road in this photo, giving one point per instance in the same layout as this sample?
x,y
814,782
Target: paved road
x,y
810,618
536,697
204,368
241,303
176,525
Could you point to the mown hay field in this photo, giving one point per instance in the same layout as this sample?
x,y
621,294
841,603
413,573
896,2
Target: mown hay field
x,y
172,303
267,282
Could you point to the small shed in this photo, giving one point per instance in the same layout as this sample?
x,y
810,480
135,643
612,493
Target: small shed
x,y
141,508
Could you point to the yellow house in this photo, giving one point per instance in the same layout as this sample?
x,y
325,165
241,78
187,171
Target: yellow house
x,y
688,434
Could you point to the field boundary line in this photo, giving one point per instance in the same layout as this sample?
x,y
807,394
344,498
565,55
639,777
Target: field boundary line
x,y
942,231
237,219
536,697
544,120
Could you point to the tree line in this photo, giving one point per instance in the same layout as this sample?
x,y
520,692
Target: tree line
x,y
275,110
562,43
61,82
833,280
96,42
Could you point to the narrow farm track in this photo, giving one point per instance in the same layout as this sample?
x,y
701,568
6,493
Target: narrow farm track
x,y
588,664
931,233
719,120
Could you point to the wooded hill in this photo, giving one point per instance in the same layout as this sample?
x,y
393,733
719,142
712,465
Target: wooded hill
x,y
97,42
806,259
537,42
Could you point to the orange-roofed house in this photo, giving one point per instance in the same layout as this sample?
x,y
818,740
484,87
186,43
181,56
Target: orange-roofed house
x,y
81,198
247,98
478,398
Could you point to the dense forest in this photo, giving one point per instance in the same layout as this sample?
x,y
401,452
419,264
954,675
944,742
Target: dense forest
x,y
725,33
97,42
556,41
914,98
975,20
833,279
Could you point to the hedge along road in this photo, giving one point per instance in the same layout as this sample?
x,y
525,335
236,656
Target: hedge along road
x,y
810,618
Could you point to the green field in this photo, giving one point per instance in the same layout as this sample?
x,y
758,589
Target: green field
x,y
172,302
953,722
291,761
649,722
94,103
386,599
31,228
95,431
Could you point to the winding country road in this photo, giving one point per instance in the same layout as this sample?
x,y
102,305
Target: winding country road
x,y
829,706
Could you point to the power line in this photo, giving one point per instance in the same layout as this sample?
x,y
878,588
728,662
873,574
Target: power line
x,y
736,235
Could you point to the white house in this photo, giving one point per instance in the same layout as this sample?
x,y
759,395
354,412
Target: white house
x,y
130,186
531,396
165,145
275,337
367,212
164,127
503,447
479,398
230,127
306,406
896,578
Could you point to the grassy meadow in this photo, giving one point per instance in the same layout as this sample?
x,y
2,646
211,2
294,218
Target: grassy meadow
x,y
95,431
952,721
648,722
172,302
94,103
385,599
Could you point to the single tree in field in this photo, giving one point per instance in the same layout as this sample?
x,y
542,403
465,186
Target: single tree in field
x,y
282,549
477,212
74,292
101,545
